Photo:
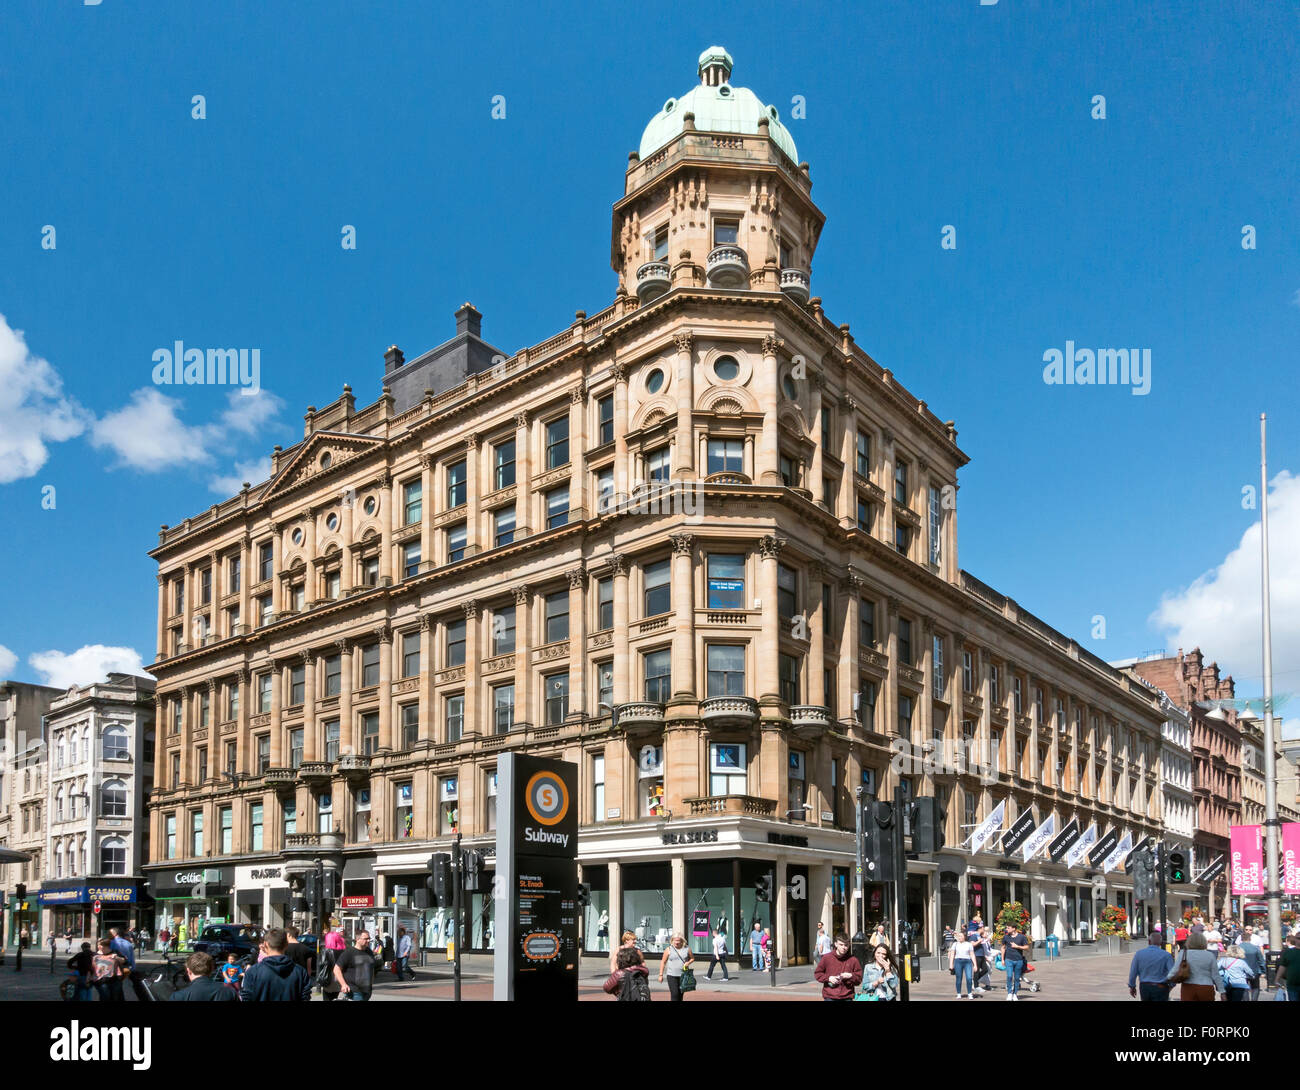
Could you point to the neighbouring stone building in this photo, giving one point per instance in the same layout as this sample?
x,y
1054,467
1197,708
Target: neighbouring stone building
x,y
698,542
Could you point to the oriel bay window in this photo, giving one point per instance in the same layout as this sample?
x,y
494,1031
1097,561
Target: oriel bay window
x,y
403,811
410,725
453,708
726,581
369,733
726,669
658,588
555,688
557,616
657,666
788,669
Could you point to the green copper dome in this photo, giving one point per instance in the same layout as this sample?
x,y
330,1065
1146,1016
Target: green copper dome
x,y
718,107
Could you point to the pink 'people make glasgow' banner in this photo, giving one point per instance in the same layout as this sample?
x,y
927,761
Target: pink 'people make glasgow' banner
x,y
1247,859
1291,856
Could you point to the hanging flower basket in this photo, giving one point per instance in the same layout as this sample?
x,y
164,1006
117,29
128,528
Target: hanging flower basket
x,y
1113,922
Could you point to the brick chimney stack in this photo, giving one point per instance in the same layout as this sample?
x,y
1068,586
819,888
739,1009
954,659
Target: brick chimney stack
x,y
468,320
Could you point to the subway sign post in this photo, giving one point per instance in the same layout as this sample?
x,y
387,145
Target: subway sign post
x,y
536,888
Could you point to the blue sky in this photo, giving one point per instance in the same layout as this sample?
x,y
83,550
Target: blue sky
x,y
1123,232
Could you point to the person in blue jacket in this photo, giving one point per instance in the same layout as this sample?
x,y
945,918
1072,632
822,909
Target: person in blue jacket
x,y
276,979
199,968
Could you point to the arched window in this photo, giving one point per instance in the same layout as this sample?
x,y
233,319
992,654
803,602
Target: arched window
x,y
72,857
115,744
113,799
85,860
58,861
85,744
58,805
112,856
60,752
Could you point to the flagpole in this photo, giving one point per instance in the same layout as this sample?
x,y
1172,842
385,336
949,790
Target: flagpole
x,y
1274,891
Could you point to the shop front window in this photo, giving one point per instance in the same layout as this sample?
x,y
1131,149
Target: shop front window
x,y
595,918
710,904
648,904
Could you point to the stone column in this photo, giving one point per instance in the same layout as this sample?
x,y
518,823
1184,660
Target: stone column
x,y
683,596
163,650
577,452
622,684
680,909
817,486
277,702
769,687
523,653
347,559
523,472
347,736
781,925
577,642
189,694
310,747
619,372
890,693
387,562
472,493
615,904
243,735
886,527
815,690
385,636
187,613
473,656
428,721
846,509
426,509
684,446
768,466
850,669
312,588
277,559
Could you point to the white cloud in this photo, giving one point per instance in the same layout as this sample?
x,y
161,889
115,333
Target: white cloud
x,y
1220,611
8,660
254,472
148,434
85,665
33,410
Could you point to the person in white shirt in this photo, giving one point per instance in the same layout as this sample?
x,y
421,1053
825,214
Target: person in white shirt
x,y
719,954
824,943
961,962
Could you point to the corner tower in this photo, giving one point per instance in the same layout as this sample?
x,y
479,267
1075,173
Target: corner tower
x,y
715,196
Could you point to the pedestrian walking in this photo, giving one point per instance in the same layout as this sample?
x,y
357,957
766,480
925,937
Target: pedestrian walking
x,y
199,968
144,937
67,937
961,963
878,936
108,973
275,978
824,944
164,939
720,954
1235,971
765,945
1149,970
24,939
676,960
880,977
839,972
1196,969
1288,973
756,947
354,970
1255,962
298,953
84,964
402,967
630,980
627,941
335,941
53,943
983,958
949,937
1014,950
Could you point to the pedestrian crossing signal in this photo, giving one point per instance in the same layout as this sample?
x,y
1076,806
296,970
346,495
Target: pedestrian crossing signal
x,y
1177,867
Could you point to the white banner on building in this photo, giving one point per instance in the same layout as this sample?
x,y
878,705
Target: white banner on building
x,y
1116,857
1081,846
1039,838
990,826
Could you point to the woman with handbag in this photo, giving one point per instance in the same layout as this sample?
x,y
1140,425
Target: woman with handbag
x,y
880,978
1197,971
676,965
1236,974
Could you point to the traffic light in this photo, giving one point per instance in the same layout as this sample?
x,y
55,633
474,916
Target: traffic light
x,y
309,888
472,863
878,842
927,826
1177,867
20,892
584,894
330,890
763,888
439,880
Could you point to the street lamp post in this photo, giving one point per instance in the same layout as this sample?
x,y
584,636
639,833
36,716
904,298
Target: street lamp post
x,y
1271,824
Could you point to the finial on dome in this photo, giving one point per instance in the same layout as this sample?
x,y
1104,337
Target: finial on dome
x,y
715,66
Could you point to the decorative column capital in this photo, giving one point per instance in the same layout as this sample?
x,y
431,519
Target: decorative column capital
x,y
521,418
342,647
426,461
683,340
577,577
619,372
894,605
522,593
211,685
426,622
578,394
849,402
683,544
244,674
384,633
471,441
770,546
619,563
771,344
470,607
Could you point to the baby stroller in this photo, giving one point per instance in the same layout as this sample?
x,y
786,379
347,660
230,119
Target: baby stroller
x,y
1026,980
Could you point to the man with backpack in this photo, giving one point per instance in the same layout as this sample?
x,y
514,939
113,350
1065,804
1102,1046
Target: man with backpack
x,y
630,981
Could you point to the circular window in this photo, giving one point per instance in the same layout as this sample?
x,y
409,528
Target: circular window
x,y
725,91
370,505
771,112
726,368
325,460
787,384
655,381
297,536
668,106
332,522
